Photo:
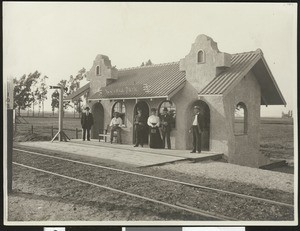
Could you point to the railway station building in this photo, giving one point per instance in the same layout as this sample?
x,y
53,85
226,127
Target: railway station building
x,y
229,88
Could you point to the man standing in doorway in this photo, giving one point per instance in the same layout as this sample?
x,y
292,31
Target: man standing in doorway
x,y
87,122
166,126
140,127
197,129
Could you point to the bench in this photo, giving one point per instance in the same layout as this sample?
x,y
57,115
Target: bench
x,y
105,135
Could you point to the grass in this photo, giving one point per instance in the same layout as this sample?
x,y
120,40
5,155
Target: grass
x,y
277,141
42,128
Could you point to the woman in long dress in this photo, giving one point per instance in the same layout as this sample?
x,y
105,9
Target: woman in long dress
x,y
154,123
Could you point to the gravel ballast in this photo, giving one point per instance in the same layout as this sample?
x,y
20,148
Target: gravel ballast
x,y
235,173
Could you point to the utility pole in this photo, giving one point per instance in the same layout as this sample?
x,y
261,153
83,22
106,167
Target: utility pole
x,y
9,129
60,134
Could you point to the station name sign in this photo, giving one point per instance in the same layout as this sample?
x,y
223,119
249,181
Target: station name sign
x,y
123,91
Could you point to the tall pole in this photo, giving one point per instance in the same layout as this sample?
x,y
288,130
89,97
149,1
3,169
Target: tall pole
x,y
43,107
60,115
9,149
9,129
60,134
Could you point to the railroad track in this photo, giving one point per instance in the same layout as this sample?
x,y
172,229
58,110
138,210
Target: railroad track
x,y
178,205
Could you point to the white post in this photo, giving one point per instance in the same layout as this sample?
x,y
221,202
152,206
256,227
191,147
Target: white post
x,y
60,114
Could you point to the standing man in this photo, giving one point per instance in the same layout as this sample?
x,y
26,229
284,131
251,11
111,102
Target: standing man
x,y
197,129
140,126
115,125
166,127
87,122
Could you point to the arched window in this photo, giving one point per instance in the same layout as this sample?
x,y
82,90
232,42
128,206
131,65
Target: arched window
x,y
119,107
98,70
201,57
240,119
171,110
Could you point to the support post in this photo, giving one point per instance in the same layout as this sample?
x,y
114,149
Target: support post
x,y
9,149
76,133
60,118
60,134
52,132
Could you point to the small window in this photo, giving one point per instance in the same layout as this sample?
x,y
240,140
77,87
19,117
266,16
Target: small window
x,y
120,108
240,119
201,57
171,110
98,70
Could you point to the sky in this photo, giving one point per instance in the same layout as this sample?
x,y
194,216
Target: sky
x,y
58,39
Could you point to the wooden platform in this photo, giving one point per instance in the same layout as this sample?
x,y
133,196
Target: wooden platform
x,y
137,156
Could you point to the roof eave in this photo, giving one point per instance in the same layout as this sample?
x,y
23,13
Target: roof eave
x,y
78,93
274,82
128,98
176,90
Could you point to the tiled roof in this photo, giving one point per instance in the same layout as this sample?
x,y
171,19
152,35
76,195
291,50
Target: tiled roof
x,y
155,80
163,80
241,64
79,92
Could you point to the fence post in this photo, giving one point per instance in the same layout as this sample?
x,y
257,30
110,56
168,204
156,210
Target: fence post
x,y
31,129
76,133
52,132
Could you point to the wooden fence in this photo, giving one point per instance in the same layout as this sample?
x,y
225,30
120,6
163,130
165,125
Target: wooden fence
x,y
41,130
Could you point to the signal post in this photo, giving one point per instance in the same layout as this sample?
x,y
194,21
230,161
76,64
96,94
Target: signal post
x,y
60,134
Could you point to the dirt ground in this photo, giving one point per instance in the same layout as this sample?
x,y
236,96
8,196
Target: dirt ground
x,y
38,196
277,141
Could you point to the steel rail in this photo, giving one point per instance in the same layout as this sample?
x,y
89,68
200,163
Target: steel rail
x,y
191,210
165,179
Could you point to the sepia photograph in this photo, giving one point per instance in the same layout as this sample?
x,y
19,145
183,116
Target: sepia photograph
x,y
138,114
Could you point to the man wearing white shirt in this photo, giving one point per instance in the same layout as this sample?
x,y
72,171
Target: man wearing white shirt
x,y
115,125
196,129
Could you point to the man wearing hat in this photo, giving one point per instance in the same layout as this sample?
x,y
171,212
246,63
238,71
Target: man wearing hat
x,y
115,125
87,122
197,129
166,127
140,127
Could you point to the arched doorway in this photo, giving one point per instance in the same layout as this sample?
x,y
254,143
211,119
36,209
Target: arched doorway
x,y
98,114
205,116
145,112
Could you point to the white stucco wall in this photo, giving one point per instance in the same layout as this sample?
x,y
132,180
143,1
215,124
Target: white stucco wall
x,y
244,149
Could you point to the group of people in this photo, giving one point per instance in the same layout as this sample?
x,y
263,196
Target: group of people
x,y
159,128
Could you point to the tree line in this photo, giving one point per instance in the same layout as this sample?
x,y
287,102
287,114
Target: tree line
x,y
31,90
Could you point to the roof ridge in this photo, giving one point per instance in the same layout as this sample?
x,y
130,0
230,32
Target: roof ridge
x,y
153,65
258,50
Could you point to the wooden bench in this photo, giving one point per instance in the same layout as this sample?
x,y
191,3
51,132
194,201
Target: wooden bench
x,y
106,135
